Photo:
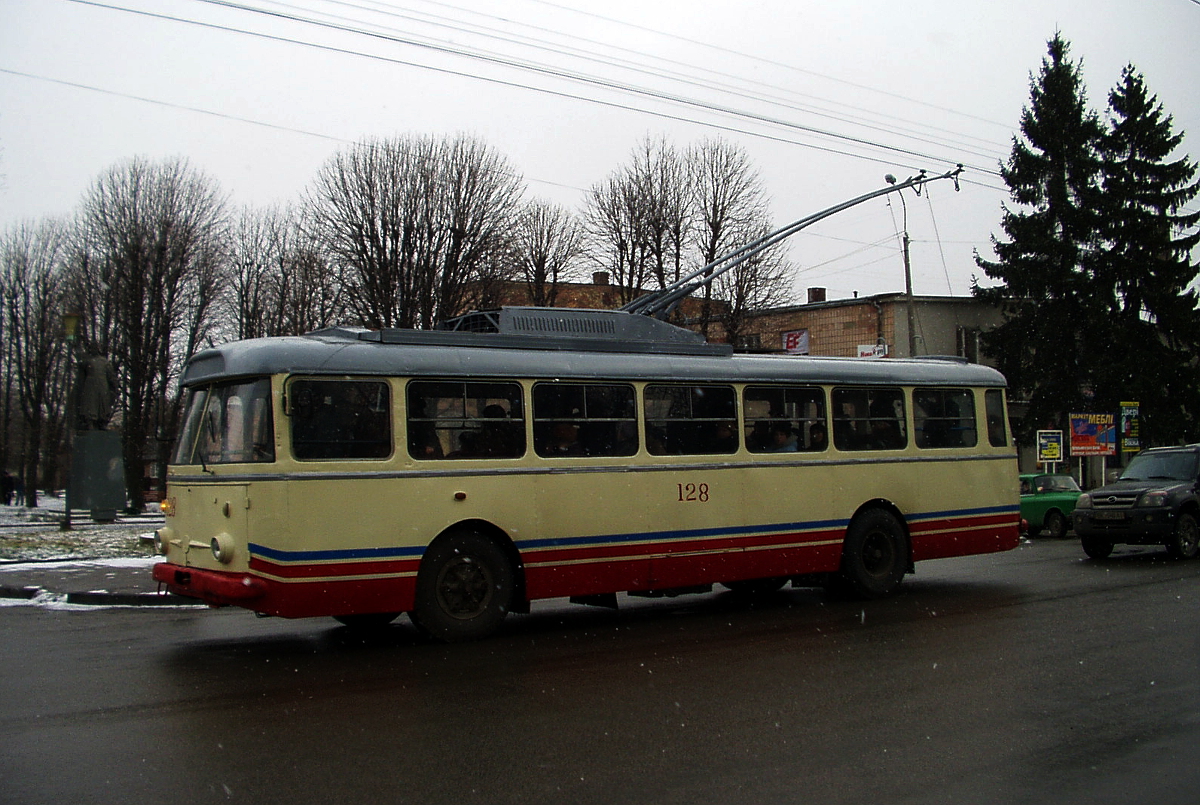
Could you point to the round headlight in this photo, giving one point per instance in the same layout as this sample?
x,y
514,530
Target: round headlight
x,y
223,548
162,541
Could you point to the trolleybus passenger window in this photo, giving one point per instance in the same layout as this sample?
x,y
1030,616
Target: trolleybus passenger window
x,y
340,419
785,419
869,419
944,418
227,424
456,419
584,419
691,420
997,430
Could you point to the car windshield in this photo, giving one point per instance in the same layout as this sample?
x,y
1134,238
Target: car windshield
x,y
1057,483
1176,466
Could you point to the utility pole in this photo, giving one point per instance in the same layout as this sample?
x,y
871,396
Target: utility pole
x,y
908,300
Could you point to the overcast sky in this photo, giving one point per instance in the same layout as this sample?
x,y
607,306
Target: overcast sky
x,y
826,97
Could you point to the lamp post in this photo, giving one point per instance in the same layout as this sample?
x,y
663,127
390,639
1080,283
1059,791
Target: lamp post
x,y
70,324
908,297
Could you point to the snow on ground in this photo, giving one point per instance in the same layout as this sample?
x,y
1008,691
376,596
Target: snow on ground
x,y
37,535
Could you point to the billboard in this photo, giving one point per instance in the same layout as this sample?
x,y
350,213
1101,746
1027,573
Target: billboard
x,y
1093,434
795,342
1130,420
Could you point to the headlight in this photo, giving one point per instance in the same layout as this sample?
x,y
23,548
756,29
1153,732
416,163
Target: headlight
x,y
1084,502
222,548
1153,498
162,540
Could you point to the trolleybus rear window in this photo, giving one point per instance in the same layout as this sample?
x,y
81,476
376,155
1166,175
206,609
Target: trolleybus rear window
x,y
944,418
869,419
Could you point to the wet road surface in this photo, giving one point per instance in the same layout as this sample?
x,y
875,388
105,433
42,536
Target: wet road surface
x,y
1032,676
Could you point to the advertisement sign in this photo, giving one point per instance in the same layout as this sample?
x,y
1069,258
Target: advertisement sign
x,y
1093,434
872,350
1050,446
1130,419
796,342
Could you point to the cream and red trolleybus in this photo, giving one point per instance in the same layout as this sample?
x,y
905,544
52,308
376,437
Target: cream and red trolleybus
x,y
459,474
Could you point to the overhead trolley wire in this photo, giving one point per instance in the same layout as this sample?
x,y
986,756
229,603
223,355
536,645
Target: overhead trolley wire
x,y
545,71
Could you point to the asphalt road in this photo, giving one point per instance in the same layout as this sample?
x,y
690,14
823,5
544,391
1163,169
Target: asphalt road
x,y
1033,676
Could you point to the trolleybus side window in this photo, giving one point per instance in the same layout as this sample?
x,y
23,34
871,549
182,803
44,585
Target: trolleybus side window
x,y
785,419
335,419
458,419
227,424
944,418
869,419
997,430
691,420
584,419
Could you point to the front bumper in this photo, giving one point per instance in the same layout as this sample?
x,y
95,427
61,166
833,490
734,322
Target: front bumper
x,y
211,586
1133,526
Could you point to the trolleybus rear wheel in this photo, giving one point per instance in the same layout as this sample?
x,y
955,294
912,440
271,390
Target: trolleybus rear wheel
x,y
874,555
464,587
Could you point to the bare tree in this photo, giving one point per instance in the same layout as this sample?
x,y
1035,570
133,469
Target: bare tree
x,y
150,267
614,222
32,264
415,225
763,281
547,245
731,210
662,177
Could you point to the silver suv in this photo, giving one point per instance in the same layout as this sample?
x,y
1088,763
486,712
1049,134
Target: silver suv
x,y
1154,502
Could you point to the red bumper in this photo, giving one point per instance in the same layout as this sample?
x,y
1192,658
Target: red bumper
x,y
210,586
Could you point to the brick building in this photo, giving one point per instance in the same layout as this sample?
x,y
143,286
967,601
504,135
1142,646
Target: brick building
x,y
874,326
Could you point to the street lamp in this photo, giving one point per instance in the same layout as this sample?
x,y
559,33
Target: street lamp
x,y
908,297
70,324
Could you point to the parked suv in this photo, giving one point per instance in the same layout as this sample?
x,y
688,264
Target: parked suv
x,y
1155,501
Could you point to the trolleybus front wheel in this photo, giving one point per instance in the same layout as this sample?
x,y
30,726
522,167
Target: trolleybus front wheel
x,y
874,555
465,586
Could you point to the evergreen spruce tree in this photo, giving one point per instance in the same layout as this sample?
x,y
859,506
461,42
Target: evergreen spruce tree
x,y
1054,317
1147,264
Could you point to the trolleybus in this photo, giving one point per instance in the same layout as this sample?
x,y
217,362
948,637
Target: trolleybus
x,y
457,476
528,453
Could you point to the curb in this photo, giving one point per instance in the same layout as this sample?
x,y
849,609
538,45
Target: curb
x,y
105,598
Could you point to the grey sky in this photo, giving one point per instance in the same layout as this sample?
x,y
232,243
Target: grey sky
x,y
826,97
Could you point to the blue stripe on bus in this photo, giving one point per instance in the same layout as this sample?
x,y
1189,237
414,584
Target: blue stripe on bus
x,y
347,553
611,539
729,531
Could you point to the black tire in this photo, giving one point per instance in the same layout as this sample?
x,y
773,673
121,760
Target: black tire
x,y
465,587
1185,542
874,555
367,622
1055,524
1097,547
755,588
